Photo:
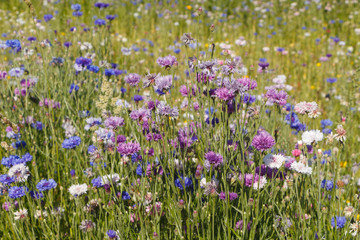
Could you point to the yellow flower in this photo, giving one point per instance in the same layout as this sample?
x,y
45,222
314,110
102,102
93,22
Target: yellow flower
x,y
343,164
312,87
189,7
62,33
338,76
318,64
5,58
357,217
206,45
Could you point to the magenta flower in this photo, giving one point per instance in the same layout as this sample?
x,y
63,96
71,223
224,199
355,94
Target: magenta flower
x,y
128,148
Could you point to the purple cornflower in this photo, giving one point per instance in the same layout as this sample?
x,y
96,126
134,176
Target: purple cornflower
x,y
45,185
6,179
167,61
212,159
248,83
82,63
141,114
31,39
274,96
67,44
114,122
165,110
133,79
128,148
111,17
224,94
112,234
331,80
163,83
263,141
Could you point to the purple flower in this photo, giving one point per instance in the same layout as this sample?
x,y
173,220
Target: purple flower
x,y
114,122
263,141
340,222
167,61
165,110
212,159
224,94
6,179
141,114
128,148
274,96
111,17
133,79
163,83
45,185
101,5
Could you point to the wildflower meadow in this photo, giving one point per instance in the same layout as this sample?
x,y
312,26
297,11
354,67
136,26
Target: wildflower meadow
x,y
171,119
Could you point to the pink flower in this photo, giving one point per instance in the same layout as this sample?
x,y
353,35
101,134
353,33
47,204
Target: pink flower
x,y
296,152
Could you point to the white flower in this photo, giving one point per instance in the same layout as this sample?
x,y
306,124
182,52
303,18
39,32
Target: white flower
x,y
178,164
21,214
260,184
274,161
308,137
111,178
354,228
280,79
203,182
40,214
20,172
78,189
86,46
301,168
348,211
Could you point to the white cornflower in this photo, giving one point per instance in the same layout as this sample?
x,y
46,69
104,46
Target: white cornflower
x,y
111,178
20,172
301,168
40,214
203,182
354,228
78,189
340,133
280,79
274,160
260,184
21,214
86,46
308,137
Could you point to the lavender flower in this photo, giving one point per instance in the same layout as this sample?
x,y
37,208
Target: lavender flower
x,y
274,96
212,159
114,122
167,61
128,148
263,141
133,79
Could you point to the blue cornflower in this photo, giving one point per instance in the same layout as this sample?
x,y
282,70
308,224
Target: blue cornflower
x,y
19,144
97,182
48,17
326,130
93,68
139,170
14,44
340,222
101,5
91,149
67,44
16,72
56,61
111,17
6,179
45,185
100,22
77,14
84,62
111,234
17,192
73,87
71,142
125,196
138,98
181,183
31,39
36,195
326,122
38,126
331,80
76,7
10,161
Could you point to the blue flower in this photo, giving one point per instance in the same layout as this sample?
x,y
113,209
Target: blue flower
x,y
111,234
76,7
38,126
48,17
36,195
326,130
71,142
181,183
84,62
16,72
45,185
91,149
6,179
138,98
19,144
17,192
77,14
340,222
111,17
93,68
97,182
331,80
139,170
14,44
326,122
125,196
100,22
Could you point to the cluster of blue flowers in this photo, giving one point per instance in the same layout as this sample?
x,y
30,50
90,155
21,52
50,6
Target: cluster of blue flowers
x,y
15,159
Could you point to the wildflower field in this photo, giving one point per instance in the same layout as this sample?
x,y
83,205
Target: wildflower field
x,y
202,119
